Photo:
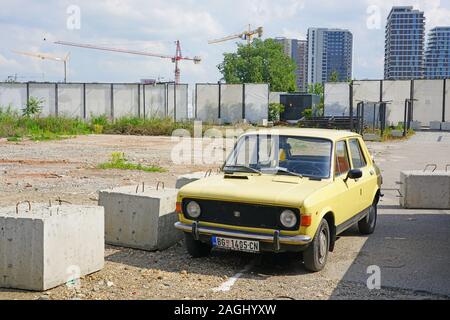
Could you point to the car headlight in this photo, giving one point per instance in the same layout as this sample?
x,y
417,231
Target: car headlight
x,y
193,209
288,219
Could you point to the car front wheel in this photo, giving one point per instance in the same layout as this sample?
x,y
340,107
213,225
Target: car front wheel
x,y
195,248
315,256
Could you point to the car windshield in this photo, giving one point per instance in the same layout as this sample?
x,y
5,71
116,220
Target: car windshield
x,y
281,155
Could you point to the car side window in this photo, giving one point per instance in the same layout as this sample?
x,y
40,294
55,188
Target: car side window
x,y
358,159
342,165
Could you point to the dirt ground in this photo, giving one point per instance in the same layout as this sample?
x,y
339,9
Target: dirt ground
x,y
66,169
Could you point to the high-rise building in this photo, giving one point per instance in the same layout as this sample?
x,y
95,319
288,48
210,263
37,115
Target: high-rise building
x,y
437,54
404,44
329,52
297,50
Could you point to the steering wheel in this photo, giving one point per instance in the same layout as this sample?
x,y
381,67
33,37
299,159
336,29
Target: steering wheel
x,y
308,168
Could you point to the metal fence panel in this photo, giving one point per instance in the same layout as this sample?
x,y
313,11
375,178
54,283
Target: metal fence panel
x,y
256,102
396,92
337,98
46,93
182,102
155,101
126,100
274,97
13,95
207,102
428,106
366,91
231,103
98,100
70,100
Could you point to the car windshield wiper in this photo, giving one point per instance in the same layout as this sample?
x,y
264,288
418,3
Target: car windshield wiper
x,y
286,171
241,168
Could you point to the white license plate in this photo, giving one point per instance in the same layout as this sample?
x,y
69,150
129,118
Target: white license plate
x,y
235,244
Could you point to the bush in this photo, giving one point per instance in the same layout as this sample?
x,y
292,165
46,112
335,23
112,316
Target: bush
x,y
33,107
275,110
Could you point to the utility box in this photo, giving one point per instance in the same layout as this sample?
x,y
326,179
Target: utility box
x,y
44,246
296,103
140,219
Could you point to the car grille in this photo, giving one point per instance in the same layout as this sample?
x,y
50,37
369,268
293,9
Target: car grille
x,y
242,215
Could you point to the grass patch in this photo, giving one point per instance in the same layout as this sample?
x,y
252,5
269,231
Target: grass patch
x,y
118,161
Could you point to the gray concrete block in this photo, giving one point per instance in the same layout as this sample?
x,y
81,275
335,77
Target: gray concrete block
x,y
435,125
49,246
397,133
445,126
371,137
416,125
425,190
188,178
140,220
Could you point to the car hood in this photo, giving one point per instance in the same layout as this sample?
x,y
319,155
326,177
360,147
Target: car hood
x,y
258,189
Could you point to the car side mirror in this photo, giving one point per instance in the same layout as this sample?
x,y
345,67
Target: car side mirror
x,y
354,174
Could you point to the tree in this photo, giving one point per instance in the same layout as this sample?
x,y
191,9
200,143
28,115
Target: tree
x,y
334,77
317,88
260,62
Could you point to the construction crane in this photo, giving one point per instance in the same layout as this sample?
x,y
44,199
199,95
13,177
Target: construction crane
x,y
246,35
46,56
175,59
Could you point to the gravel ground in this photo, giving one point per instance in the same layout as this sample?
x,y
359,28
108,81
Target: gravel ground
x,y
39,171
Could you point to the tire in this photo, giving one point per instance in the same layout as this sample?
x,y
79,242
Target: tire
x,y
368,224
315,256
195,248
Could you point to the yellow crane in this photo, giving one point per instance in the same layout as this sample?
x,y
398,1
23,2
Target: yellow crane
x,y
46,56
246,35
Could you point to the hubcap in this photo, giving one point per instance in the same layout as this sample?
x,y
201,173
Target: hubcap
x,y
322,246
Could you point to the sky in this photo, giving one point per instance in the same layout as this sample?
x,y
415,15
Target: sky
x,y
154,25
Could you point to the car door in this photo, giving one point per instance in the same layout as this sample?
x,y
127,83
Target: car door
x,y
359,161
347,202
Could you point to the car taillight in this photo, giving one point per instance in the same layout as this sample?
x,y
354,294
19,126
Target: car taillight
x,y
179,208
306,221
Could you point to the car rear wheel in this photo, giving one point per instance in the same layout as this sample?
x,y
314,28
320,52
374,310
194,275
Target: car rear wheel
x,y
315,256
368,224
195,248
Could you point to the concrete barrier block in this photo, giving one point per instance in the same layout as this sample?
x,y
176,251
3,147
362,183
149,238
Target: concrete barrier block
x,y
47,246
425,190
435,125
416,125
445,126
140,220
188,178
371,137
397,133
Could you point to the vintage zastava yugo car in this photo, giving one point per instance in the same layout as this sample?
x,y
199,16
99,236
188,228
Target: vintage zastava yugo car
x,y
284,190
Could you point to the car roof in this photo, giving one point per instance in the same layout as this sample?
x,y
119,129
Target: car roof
x,y
329,134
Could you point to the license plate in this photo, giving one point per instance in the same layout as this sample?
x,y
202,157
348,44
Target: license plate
x,y
235,244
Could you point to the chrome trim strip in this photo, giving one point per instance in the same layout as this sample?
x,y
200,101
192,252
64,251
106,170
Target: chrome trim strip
x,y
300,239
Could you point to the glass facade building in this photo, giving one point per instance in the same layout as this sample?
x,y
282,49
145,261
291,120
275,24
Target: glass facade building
x,y
329,51
437,54
297,51
404,44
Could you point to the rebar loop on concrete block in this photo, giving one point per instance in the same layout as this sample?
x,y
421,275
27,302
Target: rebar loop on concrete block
x,y
143,187
20,202
434,166
208,173
159,183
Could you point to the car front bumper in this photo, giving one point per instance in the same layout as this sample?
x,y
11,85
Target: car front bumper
x,y
276,238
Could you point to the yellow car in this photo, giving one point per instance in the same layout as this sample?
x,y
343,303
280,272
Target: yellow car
x,y
283,190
